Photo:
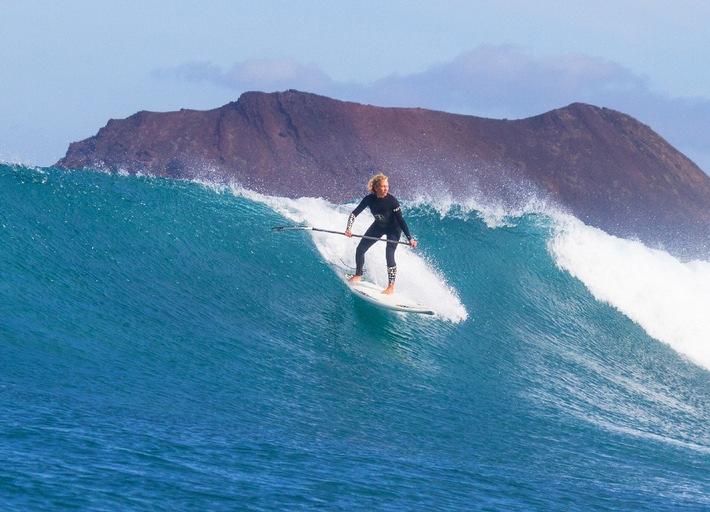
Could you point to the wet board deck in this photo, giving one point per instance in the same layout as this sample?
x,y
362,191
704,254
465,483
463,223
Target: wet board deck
x,y
395,302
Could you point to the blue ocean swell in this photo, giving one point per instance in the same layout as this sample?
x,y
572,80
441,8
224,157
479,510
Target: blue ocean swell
x,y
163,349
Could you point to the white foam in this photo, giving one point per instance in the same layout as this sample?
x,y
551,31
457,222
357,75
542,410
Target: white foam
x,y
668,298
416,277
494,214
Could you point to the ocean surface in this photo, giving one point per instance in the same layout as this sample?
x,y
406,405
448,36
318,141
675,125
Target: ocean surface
x,y
162,349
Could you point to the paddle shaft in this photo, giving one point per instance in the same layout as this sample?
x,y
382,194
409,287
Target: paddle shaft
x,y
360,236
281,228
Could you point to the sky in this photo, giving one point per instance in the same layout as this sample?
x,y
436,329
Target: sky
x,y
68,67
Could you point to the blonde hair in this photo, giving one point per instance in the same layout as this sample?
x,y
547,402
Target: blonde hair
x,y
375,181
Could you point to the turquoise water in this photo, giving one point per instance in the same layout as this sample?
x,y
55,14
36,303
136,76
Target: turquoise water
x,y
163,349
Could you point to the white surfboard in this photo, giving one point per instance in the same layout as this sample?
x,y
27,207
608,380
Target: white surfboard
x,y
396,302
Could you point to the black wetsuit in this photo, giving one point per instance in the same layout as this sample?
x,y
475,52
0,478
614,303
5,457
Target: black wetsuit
x,y
388,221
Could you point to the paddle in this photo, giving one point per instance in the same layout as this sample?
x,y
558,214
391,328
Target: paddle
x,y
309,228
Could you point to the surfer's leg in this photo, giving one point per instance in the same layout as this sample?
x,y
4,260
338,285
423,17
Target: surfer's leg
x,y
392,238
391,276
393,235
362,248
374,232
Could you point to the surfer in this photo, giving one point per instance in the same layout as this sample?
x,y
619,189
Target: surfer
x,y
388,221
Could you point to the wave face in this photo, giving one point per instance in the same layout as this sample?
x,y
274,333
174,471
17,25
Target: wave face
x,y
163,349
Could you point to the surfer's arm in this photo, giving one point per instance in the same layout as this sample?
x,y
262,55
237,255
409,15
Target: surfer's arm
x,y
403,225
358,209
351,219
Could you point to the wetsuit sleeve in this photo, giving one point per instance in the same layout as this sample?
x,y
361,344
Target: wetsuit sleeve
x,y
400,220
358,209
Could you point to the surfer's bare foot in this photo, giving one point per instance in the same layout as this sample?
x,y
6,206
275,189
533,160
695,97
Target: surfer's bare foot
x,y
389,290
355,279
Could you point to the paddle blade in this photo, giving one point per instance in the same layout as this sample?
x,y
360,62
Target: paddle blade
x,y
284,228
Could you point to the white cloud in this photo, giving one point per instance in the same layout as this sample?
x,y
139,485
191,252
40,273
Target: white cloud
x,y
503,82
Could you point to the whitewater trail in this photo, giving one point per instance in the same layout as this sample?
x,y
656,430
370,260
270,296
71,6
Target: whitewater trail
x,y
417,277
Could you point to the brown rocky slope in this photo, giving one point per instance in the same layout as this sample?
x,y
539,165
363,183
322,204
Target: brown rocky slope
x,y
605,167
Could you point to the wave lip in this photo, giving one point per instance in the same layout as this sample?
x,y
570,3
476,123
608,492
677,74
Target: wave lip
x,y
668,298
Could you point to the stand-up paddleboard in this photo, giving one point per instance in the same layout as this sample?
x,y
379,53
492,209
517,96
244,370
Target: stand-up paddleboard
x,y
368,291
395,302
